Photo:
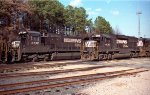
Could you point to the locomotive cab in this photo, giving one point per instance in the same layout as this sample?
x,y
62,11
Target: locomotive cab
x,y
23,43
89,48
17,46
97,47
23,36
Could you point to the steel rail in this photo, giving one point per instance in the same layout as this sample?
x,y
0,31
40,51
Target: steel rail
x,y
14,75
22,66
59,79
119,73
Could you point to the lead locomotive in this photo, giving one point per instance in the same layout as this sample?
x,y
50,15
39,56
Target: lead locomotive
x,y
35,46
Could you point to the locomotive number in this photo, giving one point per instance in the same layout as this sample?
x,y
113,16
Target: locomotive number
x,y
90,44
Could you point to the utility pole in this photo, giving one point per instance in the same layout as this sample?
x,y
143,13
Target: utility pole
x,y
138,13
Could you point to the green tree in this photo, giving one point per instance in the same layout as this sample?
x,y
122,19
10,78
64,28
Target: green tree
x,y
69,19
80,19
73,18
103,26
69,15
76,19
51,10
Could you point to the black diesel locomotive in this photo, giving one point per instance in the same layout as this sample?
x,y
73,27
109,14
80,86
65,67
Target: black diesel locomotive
x,y
106,47
34,46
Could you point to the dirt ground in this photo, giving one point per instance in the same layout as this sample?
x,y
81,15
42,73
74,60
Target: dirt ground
x,y
130,85
138,84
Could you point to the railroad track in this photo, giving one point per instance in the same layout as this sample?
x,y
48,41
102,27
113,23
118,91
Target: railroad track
x,y
14,75
17,67
66,81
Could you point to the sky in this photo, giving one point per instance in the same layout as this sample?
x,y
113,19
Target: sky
x,y
121,14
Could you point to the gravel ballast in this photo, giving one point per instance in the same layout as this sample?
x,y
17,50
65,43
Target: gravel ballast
x,y
138,84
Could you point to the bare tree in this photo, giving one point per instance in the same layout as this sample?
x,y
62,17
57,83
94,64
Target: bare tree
x,y
117,31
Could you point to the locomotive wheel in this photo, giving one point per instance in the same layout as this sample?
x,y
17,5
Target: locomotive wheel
x,y
52,57
35,59
83,57
105,57
149,54
131,55
100,57
46,58
112,56
86,56
137,54
109,57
